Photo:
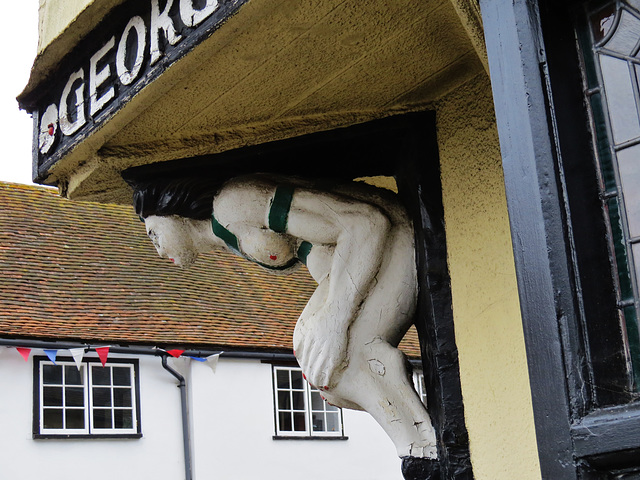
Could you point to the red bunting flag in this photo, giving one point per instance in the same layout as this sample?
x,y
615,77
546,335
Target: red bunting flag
x,y
175,353
103,353
24,352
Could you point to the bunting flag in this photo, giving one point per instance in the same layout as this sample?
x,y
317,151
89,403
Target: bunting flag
x,y
103,353
24,352
52,355
175,353
77,354
212,361
197,359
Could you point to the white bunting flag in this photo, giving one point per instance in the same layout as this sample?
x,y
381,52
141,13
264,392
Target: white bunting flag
x,y
77,354
212,361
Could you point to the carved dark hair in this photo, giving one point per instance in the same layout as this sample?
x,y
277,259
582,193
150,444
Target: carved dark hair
x,y
191,198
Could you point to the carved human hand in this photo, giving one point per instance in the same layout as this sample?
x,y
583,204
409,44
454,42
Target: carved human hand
x,y
321,348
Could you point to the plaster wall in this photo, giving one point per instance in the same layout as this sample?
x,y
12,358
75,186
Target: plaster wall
x,y
158,454
233,433
488,325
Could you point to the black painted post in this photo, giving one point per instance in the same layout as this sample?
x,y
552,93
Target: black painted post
x,y
516,60
420,187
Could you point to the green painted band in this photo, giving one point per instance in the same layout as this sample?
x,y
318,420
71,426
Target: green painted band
x,y
303,251
280,206
225,235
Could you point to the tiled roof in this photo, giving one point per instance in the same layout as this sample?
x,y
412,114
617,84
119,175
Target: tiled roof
x,y
87,272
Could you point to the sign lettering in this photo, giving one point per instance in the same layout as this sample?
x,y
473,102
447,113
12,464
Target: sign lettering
x,y
134,50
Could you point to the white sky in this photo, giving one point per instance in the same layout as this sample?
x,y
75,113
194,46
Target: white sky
x,y
20,43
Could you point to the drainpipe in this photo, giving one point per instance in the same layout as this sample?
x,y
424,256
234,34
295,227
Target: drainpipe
x,y
185,417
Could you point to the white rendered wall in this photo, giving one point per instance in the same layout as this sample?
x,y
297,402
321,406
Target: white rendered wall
x,y
234,427
158,454
232,432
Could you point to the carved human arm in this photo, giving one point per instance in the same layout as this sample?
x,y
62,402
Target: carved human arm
x,y
358,232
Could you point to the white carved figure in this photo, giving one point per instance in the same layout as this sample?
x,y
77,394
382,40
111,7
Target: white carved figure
x,y
358,244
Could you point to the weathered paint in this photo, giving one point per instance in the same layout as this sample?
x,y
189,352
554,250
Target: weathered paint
x,y
493,366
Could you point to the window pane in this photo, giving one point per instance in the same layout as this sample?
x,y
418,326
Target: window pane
x,y
282,377
75,418
72,376
101,418
333,421
52,374
316,401
285,421
52,418
298,400
317,420
122,397
299,422
101,375
602,22
620,99
52,396
626,35
620,248
122,376
284,401
101,397
297,381
123,418
629,165
74,397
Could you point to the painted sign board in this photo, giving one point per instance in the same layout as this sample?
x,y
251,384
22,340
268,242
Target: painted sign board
x,y
127,50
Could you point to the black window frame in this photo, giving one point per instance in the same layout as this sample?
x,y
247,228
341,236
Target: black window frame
x,y
89,362
587,422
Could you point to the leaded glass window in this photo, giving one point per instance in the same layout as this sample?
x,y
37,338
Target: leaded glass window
x,y
611,49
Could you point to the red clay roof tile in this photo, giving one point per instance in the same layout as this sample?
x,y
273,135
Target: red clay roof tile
x,y
87,272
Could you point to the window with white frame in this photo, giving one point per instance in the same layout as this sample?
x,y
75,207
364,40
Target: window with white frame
x,y
89,399
300,409
418,383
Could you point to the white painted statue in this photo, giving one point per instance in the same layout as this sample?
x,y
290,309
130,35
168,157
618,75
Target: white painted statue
x,y
358,244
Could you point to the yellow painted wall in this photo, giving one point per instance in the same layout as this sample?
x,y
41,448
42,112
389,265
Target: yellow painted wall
x,y
488,325
58,16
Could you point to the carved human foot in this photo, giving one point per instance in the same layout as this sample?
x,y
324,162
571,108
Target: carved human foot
x,y
414,468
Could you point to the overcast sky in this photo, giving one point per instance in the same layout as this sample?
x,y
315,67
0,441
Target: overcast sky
x,y
20,39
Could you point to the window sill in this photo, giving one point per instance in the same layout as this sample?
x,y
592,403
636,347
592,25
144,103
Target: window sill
x,y
309,437
602,435
48,436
